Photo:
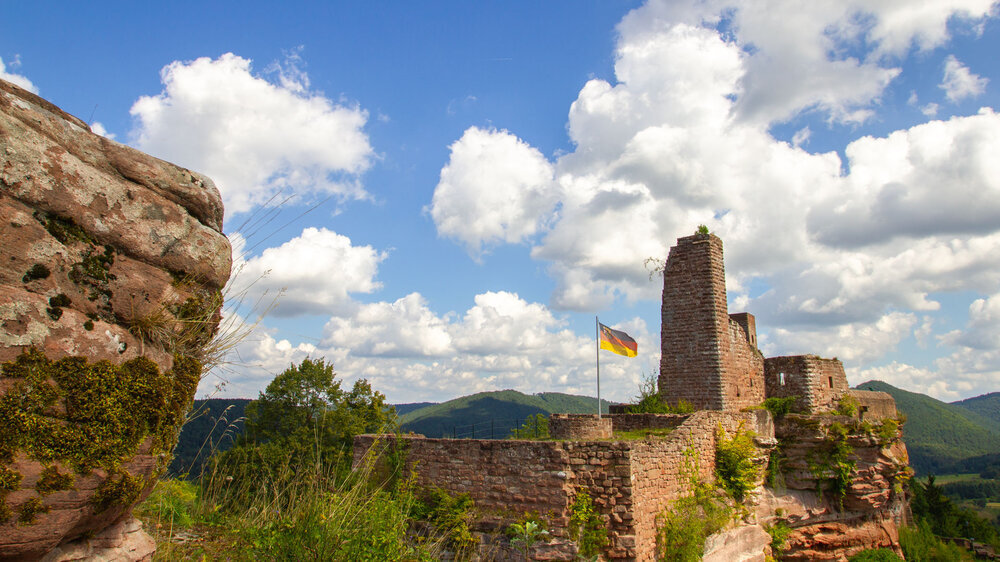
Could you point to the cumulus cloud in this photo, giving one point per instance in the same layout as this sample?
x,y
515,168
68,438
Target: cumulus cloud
x,y
316,272
850,251
98,129
959,82
13,78
412,353
253,137
495,188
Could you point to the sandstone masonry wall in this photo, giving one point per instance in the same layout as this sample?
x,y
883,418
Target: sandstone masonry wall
x,y
579,426
874,405
630,482
816,382
707,358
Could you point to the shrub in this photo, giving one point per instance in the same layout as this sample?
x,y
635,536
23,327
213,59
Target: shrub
x,y
919,543
875,555
847,406
779,537
779,406
449,515
172,503
534,427
683,528
586,526
734,462
888,431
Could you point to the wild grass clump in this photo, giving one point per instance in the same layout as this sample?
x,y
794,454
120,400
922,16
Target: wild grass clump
x,y
290,512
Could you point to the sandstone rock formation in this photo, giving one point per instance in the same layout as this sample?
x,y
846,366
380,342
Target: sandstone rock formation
x,y
111,269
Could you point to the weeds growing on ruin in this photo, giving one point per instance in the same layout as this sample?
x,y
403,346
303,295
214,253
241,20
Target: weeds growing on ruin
x,y
703,510
586,526
735,468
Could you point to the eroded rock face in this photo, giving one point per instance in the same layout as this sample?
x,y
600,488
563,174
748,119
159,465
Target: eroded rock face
x,y
831,520
111,269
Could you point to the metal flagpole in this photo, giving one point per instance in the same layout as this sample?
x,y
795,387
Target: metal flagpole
x,y
597,342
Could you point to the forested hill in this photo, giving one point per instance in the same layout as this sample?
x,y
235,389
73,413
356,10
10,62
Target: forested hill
x,y
492,414
211,427
987,406
939,435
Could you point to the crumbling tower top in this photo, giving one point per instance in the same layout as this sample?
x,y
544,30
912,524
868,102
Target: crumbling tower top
x,y
707,357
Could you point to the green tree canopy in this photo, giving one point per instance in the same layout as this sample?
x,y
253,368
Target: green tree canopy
x,y
305,409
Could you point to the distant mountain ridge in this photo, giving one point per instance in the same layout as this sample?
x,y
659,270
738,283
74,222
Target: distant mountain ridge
x,y
939,435
492,414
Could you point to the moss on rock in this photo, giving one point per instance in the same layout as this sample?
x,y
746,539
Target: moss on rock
x,y
109,411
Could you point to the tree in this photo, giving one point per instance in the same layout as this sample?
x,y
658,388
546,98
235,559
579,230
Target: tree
x,y
304,409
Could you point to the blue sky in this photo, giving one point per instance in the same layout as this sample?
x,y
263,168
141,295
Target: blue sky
x,y
479,179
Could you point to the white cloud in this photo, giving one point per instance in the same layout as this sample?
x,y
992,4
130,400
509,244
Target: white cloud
x,y
98,129
412,353
682,136
16,79
959,82
495,188
317,271
253,137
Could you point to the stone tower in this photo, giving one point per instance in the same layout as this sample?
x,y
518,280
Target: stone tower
x,y
708,358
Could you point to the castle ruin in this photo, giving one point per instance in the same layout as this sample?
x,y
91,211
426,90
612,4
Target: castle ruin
x,y
709,359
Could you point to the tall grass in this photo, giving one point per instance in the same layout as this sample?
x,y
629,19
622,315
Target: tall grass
x,y
290,512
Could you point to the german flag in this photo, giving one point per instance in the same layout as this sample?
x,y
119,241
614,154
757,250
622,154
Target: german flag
x,y
618,342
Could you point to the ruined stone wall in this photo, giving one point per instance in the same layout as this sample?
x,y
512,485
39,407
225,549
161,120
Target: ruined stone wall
x,y
707,358
630,482
579,426
873,405
662,468
816,382
632,422
111,266
744,369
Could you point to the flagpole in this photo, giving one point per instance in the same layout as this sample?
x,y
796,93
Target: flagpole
x,y
597,343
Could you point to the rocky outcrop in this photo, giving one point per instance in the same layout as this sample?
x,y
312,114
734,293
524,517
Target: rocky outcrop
x,y
111,271
841,486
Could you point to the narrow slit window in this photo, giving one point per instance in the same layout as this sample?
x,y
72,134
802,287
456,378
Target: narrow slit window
x,y
831,381
781,379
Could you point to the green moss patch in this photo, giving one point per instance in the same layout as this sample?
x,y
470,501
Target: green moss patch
x,y
37,271
62,229
110,410
119,488
52,480
28,511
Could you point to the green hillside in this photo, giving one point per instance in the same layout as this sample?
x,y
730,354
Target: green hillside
x,y
212,426
402,409
492,414
938,434
986,406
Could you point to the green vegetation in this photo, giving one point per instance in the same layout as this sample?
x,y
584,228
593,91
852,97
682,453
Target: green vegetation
x,y
286,489
212,426
847,406
28,511
648,400
779,537
702,229
943,518
535,427
51,480
779,407
875,555
940,436
832,464
304,419
449,516
703,510
920,543
642,433
586,526
524,534
36,271
734,462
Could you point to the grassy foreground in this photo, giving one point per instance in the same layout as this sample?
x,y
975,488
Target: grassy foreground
x,y
289,515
